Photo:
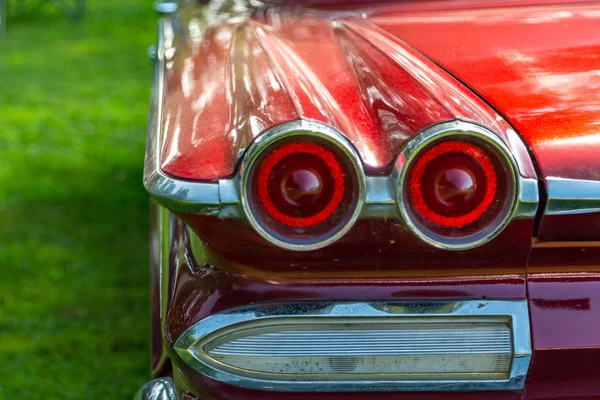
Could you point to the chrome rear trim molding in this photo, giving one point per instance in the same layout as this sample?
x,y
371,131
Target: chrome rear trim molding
x,y
205,339
379,191
572,196
529,198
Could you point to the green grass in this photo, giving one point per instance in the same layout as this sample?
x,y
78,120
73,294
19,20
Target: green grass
x,y
74,318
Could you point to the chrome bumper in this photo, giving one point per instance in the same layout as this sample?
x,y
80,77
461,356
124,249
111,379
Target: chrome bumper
x,y
157,389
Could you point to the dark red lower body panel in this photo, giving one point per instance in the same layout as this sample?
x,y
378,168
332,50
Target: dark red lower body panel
x,y
564,304
563,286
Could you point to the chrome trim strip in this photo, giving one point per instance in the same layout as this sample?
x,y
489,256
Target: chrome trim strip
x,y
153,180
379,190
229,191
184,197
157,389
516,313
529,198
380,199
572,196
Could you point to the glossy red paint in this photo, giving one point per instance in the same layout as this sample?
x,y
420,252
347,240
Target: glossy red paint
x,y
373,248
539,67
368,76
225,87
347,72
200,289
565,374
564,296
564,323
375,89
570,227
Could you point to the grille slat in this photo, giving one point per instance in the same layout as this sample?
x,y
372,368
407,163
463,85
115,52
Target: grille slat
x,y
460,347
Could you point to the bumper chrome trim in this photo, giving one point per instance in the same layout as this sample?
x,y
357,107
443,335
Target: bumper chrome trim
x,y
157,389
514,313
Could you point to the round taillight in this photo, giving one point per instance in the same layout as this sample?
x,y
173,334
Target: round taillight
x,y
302,185
453,184
458,187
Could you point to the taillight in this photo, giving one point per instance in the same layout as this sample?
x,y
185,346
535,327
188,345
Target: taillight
x,y
302,186
457,188
453,184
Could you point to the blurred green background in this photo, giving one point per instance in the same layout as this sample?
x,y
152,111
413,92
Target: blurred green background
x,y
74,282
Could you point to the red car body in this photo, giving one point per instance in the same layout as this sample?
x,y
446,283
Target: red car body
x,y
381,73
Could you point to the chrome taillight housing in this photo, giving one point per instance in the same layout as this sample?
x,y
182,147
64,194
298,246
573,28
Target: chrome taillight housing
x,y
457,185
302,185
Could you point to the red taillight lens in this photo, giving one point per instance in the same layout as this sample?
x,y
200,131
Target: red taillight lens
x,y
458,191
453,184
302,189
301,184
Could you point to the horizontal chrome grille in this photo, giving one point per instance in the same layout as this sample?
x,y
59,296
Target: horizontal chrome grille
x,y
403,340
364,346
401,348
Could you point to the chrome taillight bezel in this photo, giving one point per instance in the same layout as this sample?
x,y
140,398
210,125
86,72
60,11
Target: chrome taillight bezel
x,y
300,129
465,131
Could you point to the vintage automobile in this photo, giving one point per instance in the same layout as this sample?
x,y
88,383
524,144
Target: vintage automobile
x,y
375,200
